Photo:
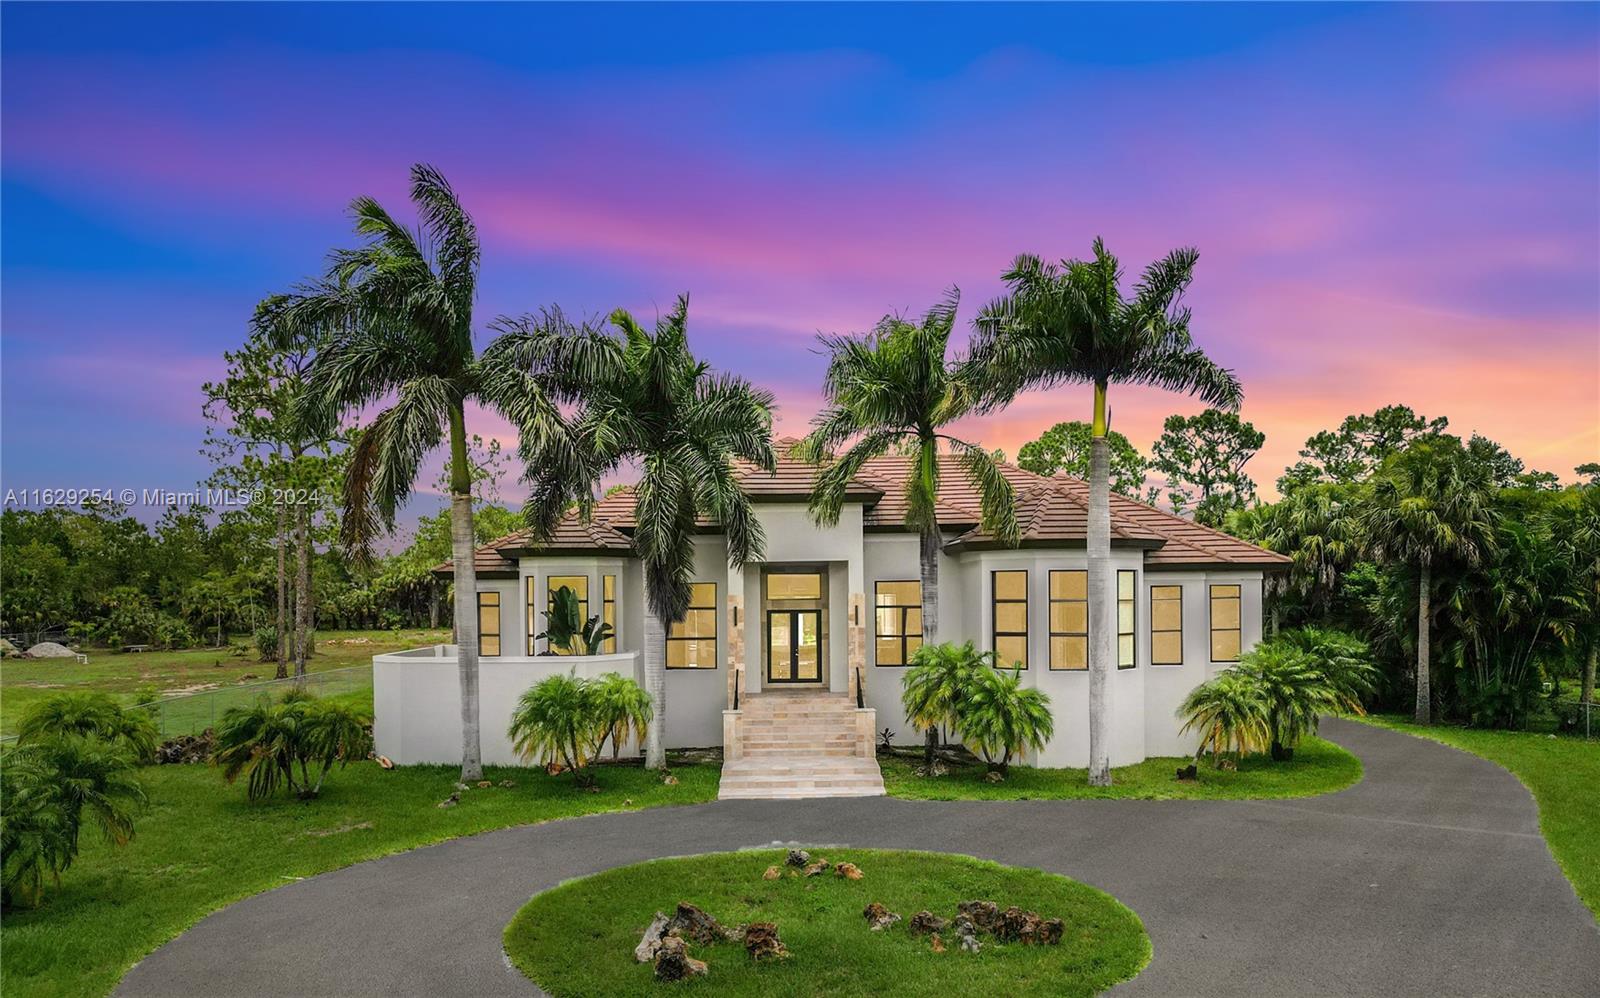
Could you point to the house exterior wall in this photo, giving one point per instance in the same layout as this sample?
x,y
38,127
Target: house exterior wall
x,y
1142,701
417,701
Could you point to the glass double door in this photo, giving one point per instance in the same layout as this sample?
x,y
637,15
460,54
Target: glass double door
x,y
794,646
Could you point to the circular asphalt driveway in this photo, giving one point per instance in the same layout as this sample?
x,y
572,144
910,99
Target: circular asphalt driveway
x,y
1429,877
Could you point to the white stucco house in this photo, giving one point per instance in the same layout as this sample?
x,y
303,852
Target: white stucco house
x,y
828,610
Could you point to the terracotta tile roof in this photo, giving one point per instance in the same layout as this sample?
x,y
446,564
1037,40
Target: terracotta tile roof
x,y
499,557
1050,512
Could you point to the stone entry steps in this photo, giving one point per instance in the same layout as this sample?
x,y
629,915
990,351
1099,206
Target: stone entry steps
x,y
794,744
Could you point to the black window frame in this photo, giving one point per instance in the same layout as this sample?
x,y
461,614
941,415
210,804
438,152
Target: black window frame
x,y
715,636
1165,630
499,607
608,611
995,634
1050,602
1132,633
904,610
1211,619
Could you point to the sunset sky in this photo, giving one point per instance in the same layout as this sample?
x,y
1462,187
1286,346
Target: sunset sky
x,y
1391,204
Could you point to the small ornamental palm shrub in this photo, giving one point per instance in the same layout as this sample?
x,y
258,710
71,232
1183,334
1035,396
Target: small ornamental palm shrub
x,y
1344,660
91,715
1230,714
624,710
52,786
292,744
934,688
999,718
1293,691
565,719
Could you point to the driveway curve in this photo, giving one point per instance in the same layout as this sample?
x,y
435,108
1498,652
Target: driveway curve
x,y
1429,877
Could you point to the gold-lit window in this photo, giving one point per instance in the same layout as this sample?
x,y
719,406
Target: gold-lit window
x,y
794,585
1010,608
1225,637
692,641
1125,646
898,609
1069,620
489,624
579,584
608,610
1166,625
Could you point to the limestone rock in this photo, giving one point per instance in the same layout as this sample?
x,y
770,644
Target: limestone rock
x,y
994,776
938,944
696,926
771,874
798,857
650,942
762,943
848,871
673,962
1050,932
879,917
820,866
926,922
450,801
983,914
966,933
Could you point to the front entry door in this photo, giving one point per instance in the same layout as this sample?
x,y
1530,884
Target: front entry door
x,y
794,646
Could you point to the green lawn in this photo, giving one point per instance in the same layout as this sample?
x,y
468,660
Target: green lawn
x,y
1562,773
200,846
831,950
1318,767
26,681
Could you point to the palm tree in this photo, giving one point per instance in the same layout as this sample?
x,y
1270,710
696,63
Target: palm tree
x,y
1576,524
1427,506
1000,718
623,708
895,390
1230,713
393,317
92,715
645,399
557,721
1071,323
933,688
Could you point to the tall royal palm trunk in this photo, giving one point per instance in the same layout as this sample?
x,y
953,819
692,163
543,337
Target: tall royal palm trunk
x,y
302,601
1424,714
655,683
282,623
1102,626
930,544
466,583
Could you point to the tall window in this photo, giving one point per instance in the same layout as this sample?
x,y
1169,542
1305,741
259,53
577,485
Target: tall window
x,y
1225,624
1166,625
899,621
489,624
532,617
692,641
579,584
1125,648
608,610
1069,619
1010,597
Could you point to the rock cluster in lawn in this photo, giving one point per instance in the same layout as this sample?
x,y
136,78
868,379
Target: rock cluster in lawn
x,y
798,857
926,922
849,871
820,866
879,917
673,962
762,943
187,748
1188,773
695,925
771,874
650,943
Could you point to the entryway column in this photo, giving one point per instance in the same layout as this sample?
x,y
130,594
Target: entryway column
x,y
737,674
856,638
